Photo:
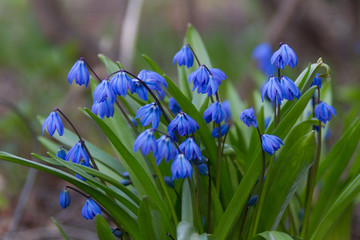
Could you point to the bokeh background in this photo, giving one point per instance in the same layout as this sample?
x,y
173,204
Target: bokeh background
x,y
41,39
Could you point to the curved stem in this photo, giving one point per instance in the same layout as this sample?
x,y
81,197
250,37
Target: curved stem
x,y
98,78
192,50
78,191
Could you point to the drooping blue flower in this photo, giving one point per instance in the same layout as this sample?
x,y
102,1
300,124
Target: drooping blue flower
x,y
267,121
272,89
140,90
64,198
154,81
104,91
203,169
207,80
324,112
150,113
126,175
104,108
252,201
248,117
90,209
184,57
316,81
80,73
61,153
284,56
224,128
53,122
121,83
165,149
211,87
181,167
169,181
271,143
218,75
262,54
290,90
190,149
146,141
199,77
77,153
226,107
174,106
154,76
215,113
183,124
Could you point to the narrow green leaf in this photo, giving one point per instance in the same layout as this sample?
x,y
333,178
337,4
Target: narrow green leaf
x,y
110,65
60,228
274,235
103,229
186,204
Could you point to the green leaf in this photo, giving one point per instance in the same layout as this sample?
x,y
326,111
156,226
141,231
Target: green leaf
x,y
103,229
274,235
186,204
110,65
60,228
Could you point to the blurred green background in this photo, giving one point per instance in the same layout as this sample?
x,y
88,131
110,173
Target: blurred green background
x,y
40,40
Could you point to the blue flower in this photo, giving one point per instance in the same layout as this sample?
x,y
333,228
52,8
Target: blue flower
x,y
316,81
324,112
190,149
226,107
174,106
284,56
224,128
154,81
212,86
90,209
77,153
150,113
290,90
80,177
121,82
169,181
184,57
146,141
155,77
215,113
203,169
165,149
104,91
272,89
181,167
262,54
200,77
184,124
61,153
53,122
104,108
271,143
64,198
207,80
117,233
267,121
80,73
140,89
248,117
252,201
218,75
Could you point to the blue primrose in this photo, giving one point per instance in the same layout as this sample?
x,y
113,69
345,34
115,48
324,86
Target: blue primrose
x,y
183,124
272,89
224,128
121,83
174,106
184,57
140,90
77,153
154,81
203,169
146,141
248,117
104,91
150,113
190,149
64,198
290,90
317,81
53,122
165,149
61,153
271,143
80,73
214,113
324,112
226,106
206,81
90,209
104,108
181,167
262,54
284,56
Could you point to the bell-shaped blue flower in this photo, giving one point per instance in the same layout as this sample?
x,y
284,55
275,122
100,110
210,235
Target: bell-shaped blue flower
x,y
154,81
199,77
64,198
252,201
146,141
165,149
272,89
190,149
77,153
104,91
61,153
284,56
104,108
316,81
181,167
169,181
121,83
262,54
271,143
90,209
80,73
211,87
174,106
140,90
53,122
150,113
183,124
218,75
248,117
324,112
226,107
224,128
184,57
290,90
214,113
203,169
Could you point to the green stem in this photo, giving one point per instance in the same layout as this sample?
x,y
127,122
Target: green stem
x,y
275,119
